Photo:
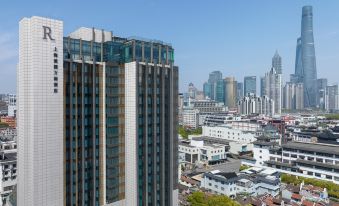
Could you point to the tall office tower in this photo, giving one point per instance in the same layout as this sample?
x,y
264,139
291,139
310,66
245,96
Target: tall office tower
x,y
240,90
220,91
305,65
207,90
213,78
250,85
293,96
230,92
332,98
262,86
321,89
97,118
276,63
273,88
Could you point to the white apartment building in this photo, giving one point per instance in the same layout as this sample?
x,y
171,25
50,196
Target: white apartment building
x,y
190,118
199,151
240,141
253,104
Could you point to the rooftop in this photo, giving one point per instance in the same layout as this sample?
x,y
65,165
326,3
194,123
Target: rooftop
x,y
314,147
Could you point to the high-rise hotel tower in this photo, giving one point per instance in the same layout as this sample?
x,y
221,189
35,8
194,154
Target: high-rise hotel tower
x,y
97,118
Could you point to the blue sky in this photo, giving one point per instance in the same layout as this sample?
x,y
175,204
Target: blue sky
x,y
236,37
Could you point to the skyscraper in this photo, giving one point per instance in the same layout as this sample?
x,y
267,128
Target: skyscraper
x,y
220,91
250,85
230,92
214,77
321,89
293,96
332,98
276,63
262,86
240,90
207,90
97,118
305,66
273,88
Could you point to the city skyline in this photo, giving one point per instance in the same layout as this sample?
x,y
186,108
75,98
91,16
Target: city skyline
x,y
239,61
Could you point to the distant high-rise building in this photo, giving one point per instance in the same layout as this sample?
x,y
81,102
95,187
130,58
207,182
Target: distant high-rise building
x,y
293,96
276,63
332,98
207,90
192,90
250,85
220,91
305,65
240,90
252,104
298,75
273,88
97,118
213,78
230,92
262,86
321,89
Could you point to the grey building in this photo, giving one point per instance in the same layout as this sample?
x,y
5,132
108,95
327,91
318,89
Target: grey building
x,y
332,98
273,88
321,89
276,63
240,90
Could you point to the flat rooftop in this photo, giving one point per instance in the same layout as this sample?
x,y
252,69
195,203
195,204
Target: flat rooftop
x,y
313,147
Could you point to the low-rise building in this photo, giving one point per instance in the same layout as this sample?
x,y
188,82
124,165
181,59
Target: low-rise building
x,y
252,182
190,118
202,151
8,170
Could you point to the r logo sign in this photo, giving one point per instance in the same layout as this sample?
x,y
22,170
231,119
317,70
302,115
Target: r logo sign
x,y
47,32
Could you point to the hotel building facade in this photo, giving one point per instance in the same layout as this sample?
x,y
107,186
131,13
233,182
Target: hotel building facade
x,y
97,118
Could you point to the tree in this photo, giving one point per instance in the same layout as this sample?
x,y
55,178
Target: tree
x,y
202,199
243,167
184,132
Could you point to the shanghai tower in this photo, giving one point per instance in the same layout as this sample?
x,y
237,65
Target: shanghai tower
x,y
306,71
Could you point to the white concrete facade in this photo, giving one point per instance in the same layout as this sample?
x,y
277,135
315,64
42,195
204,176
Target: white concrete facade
x,y
131,96
40,112
228,133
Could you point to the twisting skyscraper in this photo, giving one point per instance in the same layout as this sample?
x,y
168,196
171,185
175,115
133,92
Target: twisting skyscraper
x,y
305,66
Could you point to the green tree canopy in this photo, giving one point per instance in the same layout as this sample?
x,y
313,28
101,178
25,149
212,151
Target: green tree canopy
x,y
201,199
